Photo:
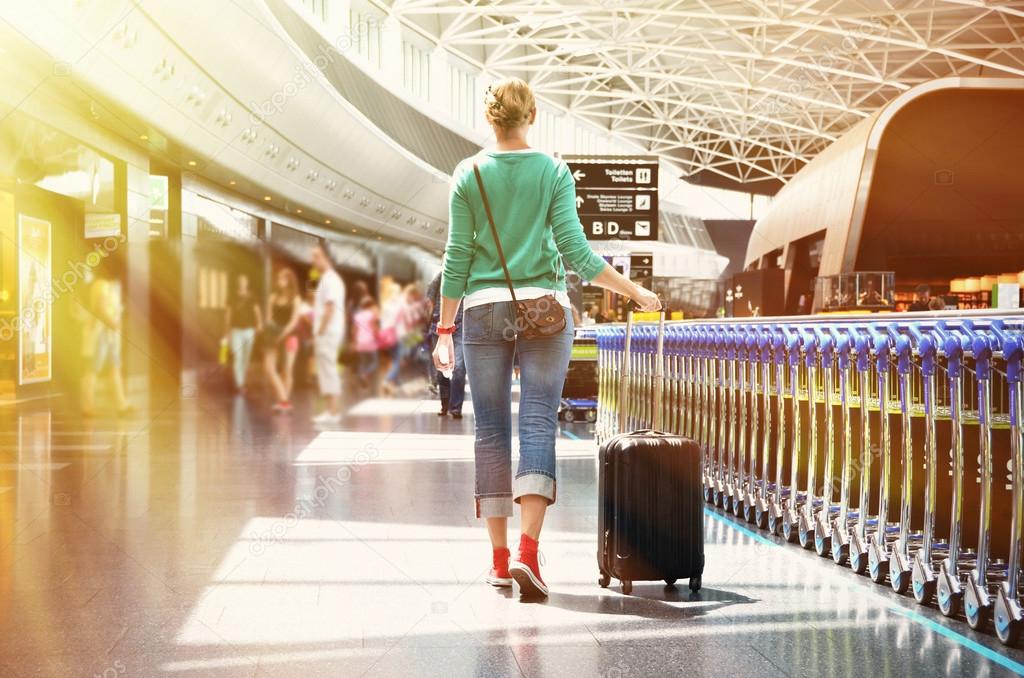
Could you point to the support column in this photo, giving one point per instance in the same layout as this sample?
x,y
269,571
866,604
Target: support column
x,y
136,341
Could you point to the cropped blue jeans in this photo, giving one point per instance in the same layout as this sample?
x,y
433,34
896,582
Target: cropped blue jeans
x,y
490,344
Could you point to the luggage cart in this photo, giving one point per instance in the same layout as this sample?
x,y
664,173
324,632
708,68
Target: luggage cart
x,y
949,586
753,364
903,550
805,525
845,518
790,518
764,487
923,575
877,530
740,432
1008,615
580,390
780,493
823,518
978,599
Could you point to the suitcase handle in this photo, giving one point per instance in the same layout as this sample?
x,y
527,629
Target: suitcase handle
x,y
659,376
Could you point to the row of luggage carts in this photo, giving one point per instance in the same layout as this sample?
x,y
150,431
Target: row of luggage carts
x,y
892,445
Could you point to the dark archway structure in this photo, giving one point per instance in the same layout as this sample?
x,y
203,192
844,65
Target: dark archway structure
x,y
929,187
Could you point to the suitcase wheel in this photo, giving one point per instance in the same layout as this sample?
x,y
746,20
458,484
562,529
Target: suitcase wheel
x,y
670,582
627,587
695,584
604,580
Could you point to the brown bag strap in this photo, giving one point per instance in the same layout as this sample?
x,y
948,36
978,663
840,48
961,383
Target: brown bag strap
x,y
494,231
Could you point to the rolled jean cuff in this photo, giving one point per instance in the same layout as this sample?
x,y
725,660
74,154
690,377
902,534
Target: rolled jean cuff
x,y
494,507
534,482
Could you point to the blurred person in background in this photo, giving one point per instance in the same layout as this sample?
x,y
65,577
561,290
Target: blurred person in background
x,y
365,329
101,340
388,321
402,324
328,333
354,301
936,304
451,391
922,299
279,338
304,332
243,320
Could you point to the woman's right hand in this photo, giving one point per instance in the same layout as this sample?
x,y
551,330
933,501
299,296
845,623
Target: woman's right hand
x,y
444,353
645,299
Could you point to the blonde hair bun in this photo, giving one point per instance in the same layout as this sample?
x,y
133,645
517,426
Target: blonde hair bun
x,y
508,103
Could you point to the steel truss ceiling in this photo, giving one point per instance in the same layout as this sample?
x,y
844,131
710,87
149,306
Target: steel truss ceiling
x,y
747,90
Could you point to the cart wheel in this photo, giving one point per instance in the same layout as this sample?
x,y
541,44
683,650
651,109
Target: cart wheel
x,y
900,581
604,580
761,518
627,587
790,532
568,416
840,553
591,416
924,591
670,582
1008,631
977,617
949,603
695,584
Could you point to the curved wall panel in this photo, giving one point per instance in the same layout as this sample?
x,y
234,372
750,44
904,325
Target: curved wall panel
x,y
927,186
946,197
175,66
821,196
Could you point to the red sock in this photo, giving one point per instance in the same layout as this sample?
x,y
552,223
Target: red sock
x,y
528,552
500,560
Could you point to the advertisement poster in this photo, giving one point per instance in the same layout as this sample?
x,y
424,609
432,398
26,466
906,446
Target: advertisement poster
x,y
35,338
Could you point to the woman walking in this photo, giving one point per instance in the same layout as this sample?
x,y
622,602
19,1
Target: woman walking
x,y
242,322
283,313
512,220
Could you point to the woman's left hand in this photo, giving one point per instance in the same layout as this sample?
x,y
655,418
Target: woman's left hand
x,y
444,353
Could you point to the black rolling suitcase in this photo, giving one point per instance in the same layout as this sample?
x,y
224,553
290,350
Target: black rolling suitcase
x,y
650,500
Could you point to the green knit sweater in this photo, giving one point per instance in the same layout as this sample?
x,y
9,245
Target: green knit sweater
x,y
533,199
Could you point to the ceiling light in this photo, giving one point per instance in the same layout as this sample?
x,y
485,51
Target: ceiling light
x,y
232,182
327,221
298,211
267,198
143,136
354,230
191,163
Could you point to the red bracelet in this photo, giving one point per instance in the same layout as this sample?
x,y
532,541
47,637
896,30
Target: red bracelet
x,y
446,330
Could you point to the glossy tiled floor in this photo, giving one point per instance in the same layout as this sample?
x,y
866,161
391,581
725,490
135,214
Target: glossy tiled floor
x,y
208,538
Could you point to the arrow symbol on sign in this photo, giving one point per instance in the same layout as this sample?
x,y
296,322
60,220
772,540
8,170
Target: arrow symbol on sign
x,y
579,202
578,174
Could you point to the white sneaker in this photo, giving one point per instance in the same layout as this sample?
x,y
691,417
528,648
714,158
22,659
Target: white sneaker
x,y
325,418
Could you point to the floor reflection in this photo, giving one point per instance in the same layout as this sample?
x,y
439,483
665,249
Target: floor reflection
x,y
213,539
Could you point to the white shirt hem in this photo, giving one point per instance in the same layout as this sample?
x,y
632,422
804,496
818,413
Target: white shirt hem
x,y
491,295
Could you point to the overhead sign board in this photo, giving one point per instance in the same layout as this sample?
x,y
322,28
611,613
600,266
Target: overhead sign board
x,y
616,196
641,266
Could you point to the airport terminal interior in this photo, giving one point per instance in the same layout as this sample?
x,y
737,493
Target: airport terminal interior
x,y
721,374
